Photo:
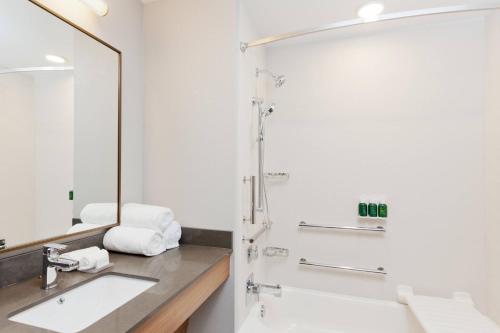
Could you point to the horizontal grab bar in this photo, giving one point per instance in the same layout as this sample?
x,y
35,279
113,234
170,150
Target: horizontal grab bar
x,y
379,270
376,229
256,236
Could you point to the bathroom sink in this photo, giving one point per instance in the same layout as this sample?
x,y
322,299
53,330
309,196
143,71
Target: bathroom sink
x,y
82,306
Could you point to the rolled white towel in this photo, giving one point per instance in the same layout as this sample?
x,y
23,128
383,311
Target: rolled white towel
x,y
172,235
99,213
146,216
82,227
134,240
87,258
102,259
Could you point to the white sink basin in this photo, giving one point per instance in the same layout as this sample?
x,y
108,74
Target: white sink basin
x,y
78,308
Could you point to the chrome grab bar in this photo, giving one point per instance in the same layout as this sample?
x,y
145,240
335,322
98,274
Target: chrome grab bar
x,y
379,270
251,219
256,236
303,224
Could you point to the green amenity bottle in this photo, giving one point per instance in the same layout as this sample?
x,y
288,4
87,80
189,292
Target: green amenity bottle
x,y
362,208
382,209
372,209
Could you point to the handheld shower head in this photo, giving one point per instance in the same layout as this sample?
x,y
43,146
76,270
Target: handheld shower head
x,y
279,80
271,109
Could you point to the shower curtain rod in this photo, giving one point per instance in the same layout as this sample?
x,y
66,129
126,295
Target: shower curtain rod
x,y
359,21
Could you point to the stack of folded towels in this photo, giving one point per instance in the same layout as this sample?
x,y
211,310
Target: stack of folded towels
x,y
89,259
144,229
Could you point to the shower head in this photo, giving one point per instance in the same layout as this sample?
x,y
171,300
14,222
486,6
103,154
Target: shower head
x,y
279,80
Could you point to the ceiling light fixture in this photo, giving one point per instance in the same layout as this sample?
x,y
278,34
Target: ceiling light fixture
x,y
100,7
371,11
55,59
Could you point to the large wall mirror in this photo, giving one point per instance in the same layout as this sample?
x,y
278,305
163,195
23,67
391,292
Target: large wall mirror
x,y
59,127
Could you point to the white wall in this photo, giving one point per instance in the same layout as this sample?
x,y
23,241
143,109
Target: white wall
x,y
492,119
54,115
17,175
190,124
122,28
397,112
190,114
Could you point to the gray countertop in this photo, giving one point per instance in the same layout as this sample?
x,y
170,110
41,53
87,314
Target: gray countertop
x,y
175,269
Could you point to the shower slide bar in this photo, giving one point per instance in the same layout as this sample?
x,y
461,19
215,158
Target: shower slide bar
x,y
380,270
385,17
256,236
370,229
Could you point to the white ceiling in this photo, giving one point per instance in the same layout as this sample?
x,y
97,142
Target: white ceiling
x,y
27,34
272,17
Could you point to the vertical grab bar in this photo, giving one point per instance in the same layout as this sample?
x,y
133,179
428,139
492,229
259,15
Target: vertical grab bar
x,y
251,219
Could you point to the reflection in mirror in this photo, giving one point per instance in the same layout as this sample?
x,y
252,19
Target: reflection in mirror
x,y
59,91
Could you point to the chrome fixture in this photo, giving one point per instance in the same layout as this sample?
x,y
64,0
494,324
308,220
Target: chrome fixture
x,y
384,17
275,252
252,253
3,244
303,224
283,176
279,80
251,219
254,288
53,263
379,270
256,236
263,114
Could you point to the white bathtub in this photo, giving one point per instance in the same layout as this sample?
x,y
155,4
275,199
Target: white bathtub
x,y
307,311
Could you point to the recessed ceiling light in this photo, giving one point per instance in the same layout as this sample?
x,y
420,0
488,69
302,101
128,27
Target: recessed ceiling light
x,y
371,11
55,59
100,7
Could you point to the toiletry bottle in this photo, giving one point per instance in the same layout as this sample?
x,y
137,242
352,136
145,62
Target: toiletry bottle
x,y
372,209
362,208
382,209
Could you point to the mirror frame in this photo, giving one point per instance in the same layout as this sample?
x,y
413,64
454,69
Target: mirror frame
x,y
17,249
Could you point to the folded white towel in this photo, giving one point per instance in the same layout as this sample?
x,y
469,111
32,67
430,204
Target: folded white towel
x,y
99,213
146,216
172,235
87,258
82,227
134,240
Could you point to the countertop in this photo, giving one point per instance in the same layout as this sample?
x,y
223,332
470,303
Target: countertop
x,y
175,269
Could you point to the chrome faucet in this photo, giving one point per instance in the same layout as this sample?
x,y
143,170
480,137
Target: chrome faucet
x,y
258,288
52,263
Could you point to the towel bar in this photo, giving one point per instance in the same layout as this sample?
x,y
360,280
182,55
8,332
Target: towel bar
x,y
303,224
379,270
